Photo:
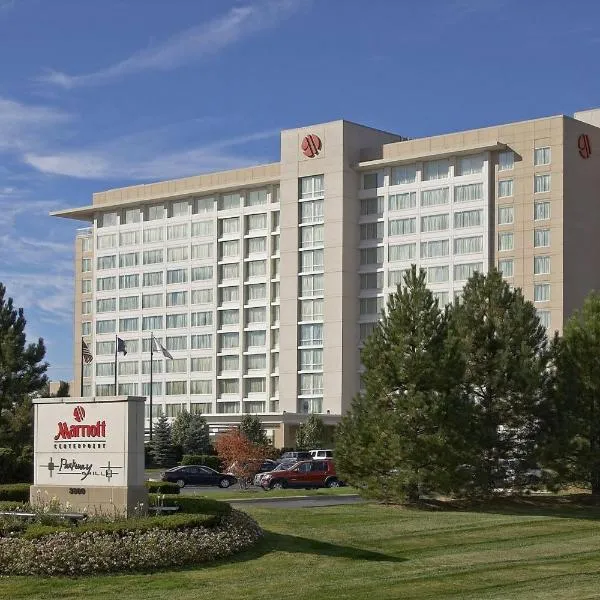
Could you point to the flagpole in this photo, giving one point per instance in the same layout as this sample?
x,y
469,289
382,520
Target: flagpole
x,y
116,351
81,358
151,368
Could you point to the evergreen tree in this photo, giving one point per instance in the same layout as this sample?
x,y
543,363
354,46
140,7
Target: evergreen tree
x,y
392,443
252,428
312,434
63,390
22,375
191,434
162,448
506,357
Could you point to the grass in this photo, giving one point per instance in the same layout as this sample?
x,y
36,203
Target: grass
x,y
540,548
256,493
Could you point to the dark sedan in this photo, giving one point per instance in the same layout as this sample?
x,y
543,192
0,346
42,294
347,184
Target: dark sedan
x,y
197,475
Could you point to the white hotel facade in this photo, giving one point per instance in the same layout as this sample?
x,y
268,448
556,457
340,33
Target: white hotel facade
x,y
263,282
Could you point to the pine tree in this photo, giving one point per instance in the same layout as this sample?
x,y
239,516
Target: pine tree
x,y
22,375
252,428
162,448
505,352
312,434
190,433
392,443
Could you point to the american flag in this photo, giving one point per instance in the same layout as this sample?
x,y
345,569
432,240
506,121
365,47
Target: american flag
x,y
86,353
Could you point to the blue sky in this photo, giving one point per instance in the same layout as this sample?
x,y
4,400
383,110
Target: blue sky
x,y
95,95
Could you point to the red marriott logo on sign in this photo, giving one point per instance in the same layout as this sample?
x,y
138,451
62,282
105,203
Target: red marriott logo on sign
x,y
69,432
311,145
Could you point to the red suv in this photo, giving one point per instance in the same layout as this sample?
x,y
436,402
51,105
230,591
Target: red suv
x,y
305,474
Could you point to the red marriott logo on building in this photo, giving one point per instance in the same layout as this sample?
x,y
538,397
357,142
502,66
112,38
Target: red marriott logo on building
x,y
69,432
311,145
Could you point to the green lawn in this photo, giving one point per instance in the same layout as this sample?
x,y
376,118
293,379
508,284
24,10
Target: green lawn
x,y
256,493
540,549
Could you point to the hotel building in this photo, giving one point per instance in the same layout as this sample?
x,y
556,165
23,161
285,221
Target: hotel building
x,y
264,282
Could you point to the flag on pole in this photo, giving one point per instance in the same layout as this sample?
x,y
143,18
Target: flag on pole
x,y
162,349
86,353
121,346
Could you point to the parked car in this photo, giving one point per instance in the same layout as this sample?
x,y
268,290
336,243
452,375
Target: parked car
x,y
297,455
321,453
305,474
197,475
255,467
284,465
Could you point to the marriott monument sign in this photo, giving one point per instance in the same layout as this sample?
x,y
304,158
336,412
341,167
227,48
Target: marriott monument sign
x,y
89,452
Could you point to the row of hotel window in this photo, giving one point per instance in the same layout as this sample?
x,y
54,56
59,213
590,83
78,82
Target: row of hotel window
x,y
441,169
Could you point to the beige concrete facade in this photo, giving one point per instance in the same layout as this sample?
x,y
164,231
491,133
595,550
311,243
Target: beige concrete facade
x,y
322,239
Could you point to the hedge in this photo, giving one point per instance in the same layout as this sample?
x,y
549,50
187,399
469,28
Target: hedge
x,y
162,487
15,492
202,459
191,504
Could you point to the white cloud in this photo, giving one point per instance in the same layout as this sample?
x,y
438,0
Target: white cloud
x,y
191,45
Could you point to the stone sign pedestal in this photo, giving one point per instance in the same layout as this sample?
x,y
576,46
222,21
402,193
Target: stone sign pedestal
x,y
89,454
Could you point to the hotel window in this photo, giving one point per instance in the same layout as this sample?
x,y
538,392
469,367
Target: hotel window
x,y
129,238
275,289
372,181
86,328
229,386
87,371
201,273
505,215
435,248
152,300
371,256
177,254
150,279
176,321
275,312
365,330
105,242
311,383
202,229
177,232
256,362
103,348
152,257
468,218
153,234
105,369
108,219
311,211
150,323
157,391
256,222
541,292
311,360
202,251
86,265
106,326
200,408
131,259
396,277
256,245
201,387
86,286
131,324
544,317
505,188
104,284
311,285
105,389
176,342
256,291
505,241
436,169
311,335
128,389
311,260
372,206
274,244
468,193
506,160
275,268
468,245
228,408
86,244
470,165
541,265
256,314
541,156
256,268
256,198
154,213
506,267
441,297
229,317
256,339
371,281
404,174
229,363
229,201
230,293
86,307
311,310
230,249
229,340
130,216
541,238
201,364
541,184
201,342
107,262
402,201
177,276
129,302
434,223
203,205
401,252
129,281
230,226
175,388
435,197
179,208
439,274
275,194
201,319
157,366
106,305
201,296
133,346
463,272
312,187
275,220
230,271
402,226
541,210
311,235
370,306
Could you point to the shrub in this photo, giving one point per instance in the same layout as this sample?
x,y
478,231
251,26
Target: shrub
x,y
192,504
16,492
162,487
202,459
